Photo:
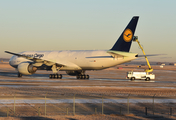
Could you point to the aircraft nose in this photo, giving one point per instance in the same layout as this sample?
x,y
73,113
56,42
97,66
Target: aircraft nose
x,y
12,60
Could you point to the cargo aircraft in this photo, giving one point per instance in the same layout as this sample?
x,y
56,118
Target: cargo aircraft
x,y
76,62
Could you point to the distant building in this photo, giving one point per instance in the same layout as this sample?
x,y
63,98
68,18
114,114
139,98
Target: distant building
x,y
171,63
158,63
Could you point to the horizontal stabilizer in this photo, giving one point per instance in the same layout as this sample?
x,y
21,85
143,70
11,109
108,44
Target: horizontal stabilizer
x,y
149,55
116,54
100,57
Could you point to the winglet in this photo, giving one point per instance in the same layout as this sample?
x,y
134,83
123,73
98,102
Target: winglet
x,y
125,39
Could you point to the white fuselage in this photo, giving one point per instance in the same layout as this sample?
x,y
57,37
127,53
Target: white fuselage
x,y
75,59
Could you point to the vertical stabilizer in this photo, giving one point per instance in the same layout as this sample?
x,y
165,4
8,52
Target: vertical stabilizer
x,y
125,39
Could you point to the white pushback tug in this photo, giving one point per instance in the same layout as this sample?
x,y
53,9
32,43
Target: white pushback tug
x,y
147,75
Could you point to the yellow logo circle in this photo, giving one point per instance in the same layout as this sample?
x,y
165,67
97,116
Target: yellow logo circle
x,y
127,35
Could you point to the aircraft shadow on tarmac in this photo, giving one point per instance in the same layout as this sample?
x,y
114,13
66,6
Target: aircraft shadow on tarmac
x,y
39,76
8,74
14,74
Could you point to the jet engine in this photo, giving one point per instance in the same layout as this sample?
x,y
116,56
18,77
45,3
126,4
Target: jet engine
x,y
26,68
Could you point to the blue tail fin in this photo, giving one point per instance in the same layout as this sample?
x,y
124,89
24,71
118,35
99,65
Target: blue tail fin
x,y
125,39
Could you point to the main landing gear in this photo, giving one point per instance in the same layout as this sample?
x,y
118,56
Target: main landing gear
x,y
55,76
55,69
82,76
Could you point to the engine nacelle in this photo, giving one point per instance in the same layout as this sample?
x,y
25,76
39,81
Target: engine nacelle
x,y
26,68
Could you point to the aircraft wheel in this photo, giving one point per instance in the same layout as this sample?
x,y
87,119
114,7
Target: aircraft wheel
x,y
19,75
83,76
78,77
50,76
53,75
56,76
60,76
87,76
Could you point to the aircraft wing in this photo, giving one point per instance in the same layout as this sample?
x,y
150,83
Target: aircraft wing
x,y
39,60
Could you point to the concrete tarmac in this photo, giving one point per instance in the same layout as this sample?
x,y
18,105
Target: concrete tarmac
x,y
29,93
111,80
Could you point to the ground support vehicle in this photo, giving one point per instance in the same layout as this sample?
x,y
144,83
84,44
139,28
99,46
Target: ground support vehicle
x,y
140,76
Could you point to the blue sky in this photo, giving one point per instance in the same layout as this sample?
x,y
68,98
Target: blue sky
x,y
39,25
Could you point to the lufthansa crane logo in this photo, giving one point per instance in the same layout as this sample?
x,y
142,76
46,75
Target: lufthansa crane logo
x,y
127,35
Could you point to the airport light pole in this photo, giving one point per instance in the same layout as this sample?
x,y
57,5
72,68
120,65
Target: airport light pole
x,y
74,105
153,104
14,105
128,104
45,103
102,105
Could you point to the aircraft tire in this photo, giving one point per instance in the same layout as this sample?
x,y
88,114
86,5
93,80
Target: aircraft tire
x,y
60,76
78,76
87,76
55,76
19,75
83,76
50,76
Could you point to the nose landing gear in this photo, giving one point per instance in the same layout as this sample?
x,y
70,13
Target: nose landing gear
x,y
19,75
